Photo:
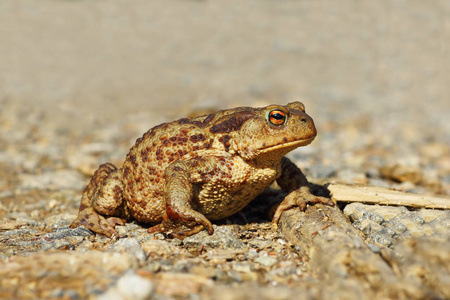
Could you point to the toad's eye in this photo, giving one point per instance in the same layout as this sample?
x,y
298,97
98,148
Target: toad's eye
x,y
277,117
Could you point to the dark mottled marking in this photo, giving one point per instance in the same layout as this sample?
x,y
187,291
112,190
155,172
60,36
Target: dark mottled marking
x,y
233,123
203,176
184,131
226,142
144,154
178,169
117,192
83,206
151,170
132,158
197,138
149,134
208,119
184,121
198,123
207,145
126,171
194,163
285,139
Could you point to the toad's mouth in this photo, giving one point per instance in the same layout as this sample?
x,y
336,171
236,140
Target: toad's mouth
x,y
288,145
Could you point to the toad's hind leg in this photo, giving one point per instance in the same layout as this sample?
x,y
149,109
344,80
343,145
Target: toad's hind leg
x,y
101,205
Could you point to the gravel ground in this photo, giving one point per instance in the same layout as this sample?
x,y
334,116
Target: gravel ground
x,y
81,80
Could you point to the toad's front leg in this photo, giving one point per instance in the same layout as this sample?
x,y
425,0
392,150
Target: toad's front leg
x,y
179,217
295,183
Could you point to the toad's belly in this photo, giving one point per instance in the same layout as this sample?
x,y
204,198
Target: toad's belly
x,y
217,199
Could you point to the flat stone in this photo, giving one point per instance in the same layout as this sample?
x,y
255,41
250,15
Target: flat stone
x,y
223,238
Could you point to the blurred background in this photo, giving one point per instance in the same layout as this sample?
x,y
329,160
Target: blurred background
x,y
374,75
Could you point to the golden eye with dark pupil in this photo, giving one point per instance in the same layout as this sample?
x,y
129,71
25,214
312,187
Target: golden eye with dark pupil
x,y
277,117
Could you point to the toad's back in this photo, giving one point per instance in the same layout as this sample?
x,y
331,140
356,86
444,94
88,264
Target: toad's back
x,y
145,165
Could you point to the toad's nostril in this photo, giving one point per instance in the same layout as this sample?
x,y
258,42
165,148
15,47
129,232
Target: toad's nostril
x,y
303,120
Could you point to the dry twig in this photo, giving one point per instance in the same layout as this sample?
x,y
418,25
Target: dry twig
x,y
379,195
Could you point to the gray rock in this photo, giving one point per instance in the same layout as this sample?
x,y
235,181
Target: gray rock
x,y
61,233
19,232
355,211
373,217
368,227
381,240
59,221
223,238
260,243
130,246
266,261
374,248
387,225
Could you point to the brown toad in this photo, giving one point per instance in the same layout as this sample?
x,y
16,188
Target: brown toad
x,y
185,173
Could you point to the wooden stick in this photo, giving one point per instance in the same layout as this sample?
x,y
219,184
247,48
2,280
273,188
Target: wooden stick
x,y
379,195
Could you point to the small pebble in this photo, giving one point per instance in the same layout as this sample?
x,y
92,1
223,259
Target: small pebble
x,y
130,287
266,261
130,246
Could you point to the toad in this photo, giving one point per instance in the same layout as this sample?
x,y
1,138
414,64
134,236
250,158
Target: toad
x,y
184,174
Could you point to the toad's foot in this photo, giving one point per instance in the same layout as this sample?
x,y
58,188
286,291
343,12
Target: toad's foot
x,y
300,197
183,223
97,223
